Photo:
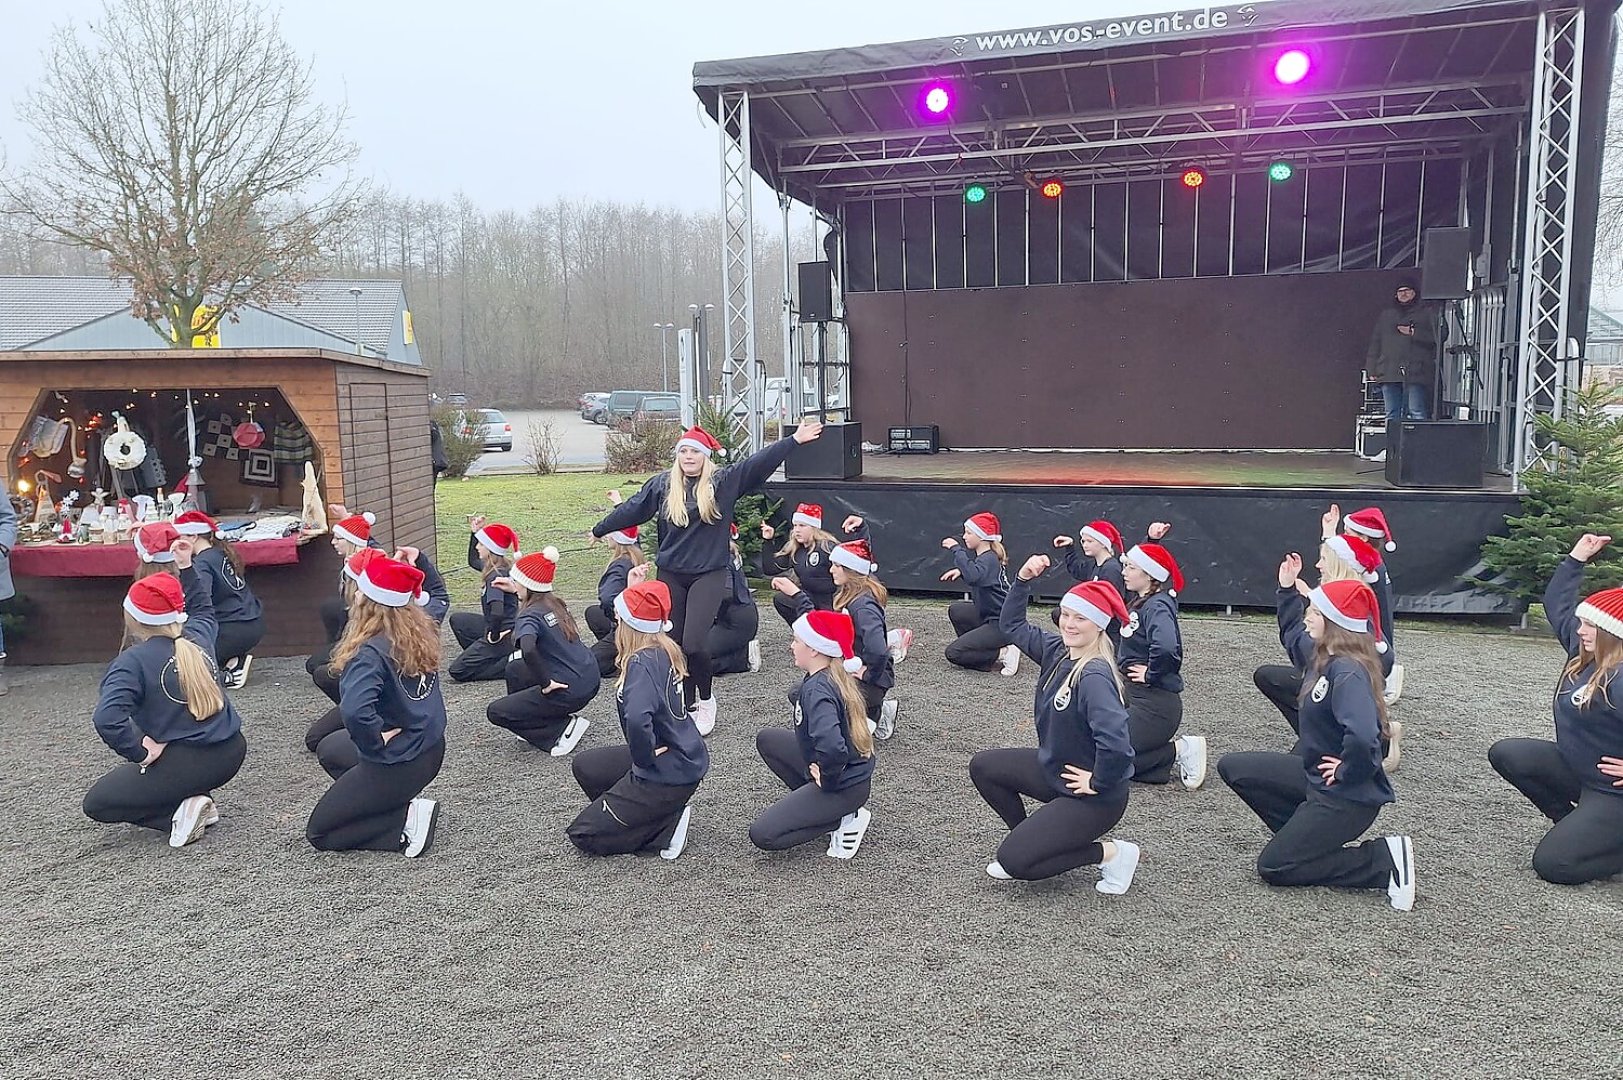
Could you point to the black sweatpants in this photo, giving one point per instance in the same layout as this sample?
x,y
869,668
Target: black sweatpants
x,y
1153,717
625,816
808,812
1586,843
736,626
978,643
149,799
696,600
1061,835
325,678
327,723
1310,827
1282,685
789,610
480,660
537,718
603,627
365,809
237,639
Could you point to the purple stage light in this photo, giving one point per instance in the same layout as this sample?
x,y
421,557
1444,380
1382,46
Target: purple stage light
x,y
937,99
1292,67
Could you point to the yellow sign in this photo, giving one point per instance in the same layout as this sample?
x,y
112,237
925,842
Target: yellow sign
x,y
411,335
211,340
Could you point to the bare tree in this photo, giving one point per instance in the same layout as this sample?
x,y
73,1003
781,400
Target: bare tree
x,y
181,140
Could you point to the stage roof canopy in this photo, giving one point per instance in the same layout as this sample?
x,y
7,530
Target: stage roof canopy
x,y
1138,95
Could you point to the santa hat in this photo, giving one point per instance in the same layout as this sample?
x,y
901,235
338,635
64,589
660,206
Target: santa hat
x,y
732,529
390,583
1357,553
1157,562
1605,610
196,523
357,528
152,542
808,514
1351,605
535,571
1102,532
854,555
830,634
1096,601
355,565
1370,523
628,535
156,601
699,439
986,527
645,607
498,539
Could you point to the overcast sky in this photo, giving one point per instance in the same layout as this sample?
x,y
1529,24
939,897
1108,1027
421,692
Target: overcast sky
x,y
515,102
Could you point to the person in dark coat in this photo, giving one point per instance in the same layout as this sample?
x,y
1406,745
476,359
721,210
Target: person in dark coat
x,y
1402,356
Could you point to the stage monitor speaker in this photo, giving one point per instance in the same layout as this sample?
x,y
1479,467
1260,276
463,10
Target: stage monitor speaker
x,y
816,292
1445,269
915,440
1436,454
835,456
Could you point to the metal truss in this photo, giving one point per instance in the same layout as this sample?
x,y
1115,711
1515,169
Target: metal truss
x,y
1546,322
742,377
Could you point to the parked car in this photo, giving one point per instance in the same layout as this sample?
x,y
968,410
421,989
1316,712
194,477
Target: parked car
x,y
591,407
622,403
492,427
658,407
457,401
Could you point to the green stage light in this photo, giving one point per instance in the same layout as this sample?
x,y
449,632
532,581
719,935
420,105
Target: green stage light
x,y
975,193
1281,171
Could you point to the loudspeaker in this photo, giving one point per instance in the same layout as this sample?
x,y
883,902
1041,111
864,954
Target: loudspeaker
x,y
835,456
1445,270
1436,454
816,292
915,440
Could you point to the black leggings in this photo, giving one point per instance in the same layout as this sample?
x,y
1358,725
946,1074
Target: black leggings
x,y
695,602
603,628
237,639
736,626
329,722
1310,827
1061,835
150,798
479,660
808,812
1586,843
537,718
365,809
978,642
788,608
625,816
1282,685
1153,716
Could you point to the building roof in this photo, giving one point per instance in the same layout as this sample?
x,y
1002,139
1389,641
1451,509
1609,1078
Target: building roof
x,y
1604,329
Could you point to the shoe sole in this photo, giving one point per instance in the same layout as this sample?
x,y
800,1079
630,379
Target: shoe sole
x,y
428,833
843,843
571,737
679,839
195,831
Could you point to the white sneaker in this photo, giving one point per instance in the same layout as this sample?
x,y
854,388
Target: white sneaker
x,y
1116,875
1380,456
211,814
755,655
1394,746
240,679
887,720
704,715
899,640
679,838
1010,656
1394,685
421,817
1191,762
844,841
995,869
1400,888
190,820
571,736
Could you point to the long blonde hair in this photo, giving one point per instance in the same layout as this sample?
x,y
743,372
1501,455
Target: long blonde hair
x,y
1608,655
820,538
414,640
1336,568
1101,649
855,585
856,710
198,683
1339,641
704,492
998,550
629,641
495,566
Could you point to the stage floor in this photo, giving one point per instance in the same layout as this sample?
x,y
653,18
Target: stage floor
x,y
1115,468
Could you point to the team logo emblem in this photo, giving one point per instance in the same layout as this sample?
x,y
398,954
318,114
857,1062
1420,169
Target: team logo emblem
x,y
1581,696
799,716
1320,689
170,681
1132,625
814,558
232,578
1062,700
417,687
550,618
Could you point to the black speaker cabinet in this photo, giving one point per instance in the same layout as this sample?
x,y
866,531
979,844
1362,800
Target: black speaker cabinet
x,y
1445,269
835,456
1437,454
816,292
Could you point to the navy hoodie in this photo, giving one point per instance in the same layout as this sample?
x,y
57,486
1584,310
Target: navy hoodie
x,y
811,567
1382,587
986,578
701,546
611,585
652,716
872,638
499,608
823,731
234,601
140,692
1584,733
1085,725
373,697
1152,637
439,597
542,655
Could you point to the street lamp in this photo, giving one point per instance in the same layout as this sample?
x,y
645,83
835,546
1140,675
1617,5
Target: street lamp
x,y
664,371
701,330
355,291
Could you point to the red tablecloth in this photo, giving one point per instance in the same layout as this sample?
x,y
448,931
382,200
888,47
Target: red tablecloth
x,y
119,560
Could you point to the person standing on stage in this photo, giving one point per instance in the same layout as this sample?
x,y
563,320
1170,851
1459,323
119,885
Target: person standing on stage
x,y
694,502
1402,357
982,565
1577,780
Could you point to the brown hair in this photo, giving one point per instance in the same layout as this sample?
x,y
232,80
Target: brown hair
x,y
626,551
629,641
227,548
856,710
857,584
1339,641
554,603
495,565
414,640
198,683
997,549
1608,655
144,569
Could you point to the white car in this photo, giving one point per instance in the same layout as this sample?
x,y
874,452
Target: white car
x,y
493,427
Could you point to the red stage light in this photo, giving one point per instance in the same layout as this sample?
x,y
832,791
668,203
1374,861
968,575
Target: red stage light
x,y
1193,177
1053,189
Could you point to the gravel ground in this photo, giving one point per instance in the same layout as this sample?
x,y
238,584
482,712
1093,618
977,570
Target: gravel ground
x,y
502,952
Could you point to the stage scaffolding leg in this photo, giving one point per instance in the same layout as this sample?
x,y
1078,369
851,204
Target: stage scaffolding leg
x,y
1546,301
742,378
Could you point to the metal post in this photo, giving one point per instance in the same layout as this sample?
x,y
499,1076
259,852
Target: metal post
x,y
685,382
664,340
742,372
355,291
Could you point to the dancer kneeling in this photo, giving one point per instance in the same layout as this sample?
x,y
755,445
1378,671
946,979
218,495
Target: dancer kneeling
x,y
484,638
237,611
1151,659
1083,760
625,548
161,707
732,642
981,564
393,739
862,596
639,792
827,760
551,674
1317,802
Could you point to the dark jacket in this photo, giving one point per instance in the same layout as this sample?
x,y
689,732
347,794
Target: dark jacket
x,y
1397,357
811,568
542,655
652,716
872,638
233,600
1382,587
823,731
1152,637
373,697
1584,733
499,608
611,585
986,578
